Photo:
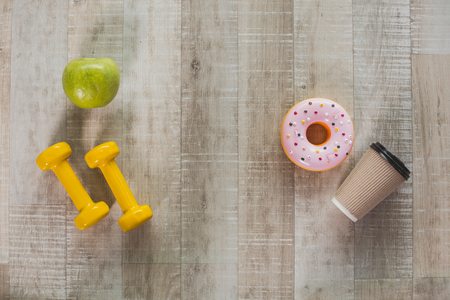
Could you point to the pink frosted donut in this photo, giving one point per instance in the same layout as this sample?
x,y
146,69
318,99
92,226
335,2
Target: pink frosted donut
x,y
333,118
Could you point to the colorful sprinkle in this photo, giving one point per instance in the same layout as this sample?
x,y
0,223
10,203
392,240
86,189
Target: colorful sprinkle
x,y
346,153
324,148
328,161
336,143
338,146
303,122
343,134
336,154
342,115
298,134
301,137
332,105
350,142
335,149
288,135
349,136
332,124
295,112
336,129
310,103
308,119
309,156
303,148
290,124
320,158
295,124
295,144
303,158
346,140
305,111
348,121
341,123
327,114
317,151
290,151
321,105
315,112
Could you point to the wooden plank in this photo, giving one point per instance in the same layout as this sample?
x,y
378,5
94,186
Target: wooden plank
x,y
37,240
4,281
209,183
266,176
5,86
151,281
431,165
152,125
209,132
38,106
431,288
94,256
209,281
430,26
383,288
382,71
324,236
37,251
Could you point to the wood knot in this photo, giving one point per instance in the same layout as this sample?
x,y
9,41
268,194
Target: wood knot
x,y
195,65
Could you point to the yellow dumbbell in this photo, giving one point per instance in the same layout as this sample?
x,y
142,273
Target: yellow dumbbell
x,y
102,157
55,158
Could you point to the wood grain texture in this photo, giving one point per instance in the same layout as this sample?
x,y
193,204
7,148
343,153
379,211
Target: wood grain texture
x,y
4,281
94,256
382,70
152,127
209,281
431,165
324,236
430,26
209,166
266,176
37,238
431,288
151,92
5,87
38,106
37,251
383,289
209,132
151,281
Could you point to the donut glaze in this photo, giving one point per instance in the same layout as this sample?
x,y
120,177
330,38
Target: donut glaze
x,y
340,135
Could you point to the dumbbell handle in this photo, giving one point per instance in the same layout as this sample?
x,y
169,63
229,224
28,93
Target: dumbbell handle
x,y
72,185
118,185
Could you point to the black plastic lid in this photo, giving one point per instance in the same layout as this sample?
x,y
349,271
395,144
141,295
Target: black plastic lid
x,y
392,159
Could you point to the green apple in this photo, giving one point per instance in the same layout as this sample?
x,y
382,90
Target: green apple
x,y
91,82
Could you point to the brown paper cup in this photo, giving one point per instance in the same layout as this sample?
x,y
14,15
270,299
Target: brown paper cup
x,y
376,175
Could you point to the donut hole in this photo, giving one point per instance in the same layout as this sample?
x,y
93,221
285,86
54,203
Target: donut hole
x,y
318,133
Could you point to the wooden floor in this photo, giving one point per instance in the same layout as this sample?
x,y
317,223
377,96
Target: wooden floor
x,y
204,88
